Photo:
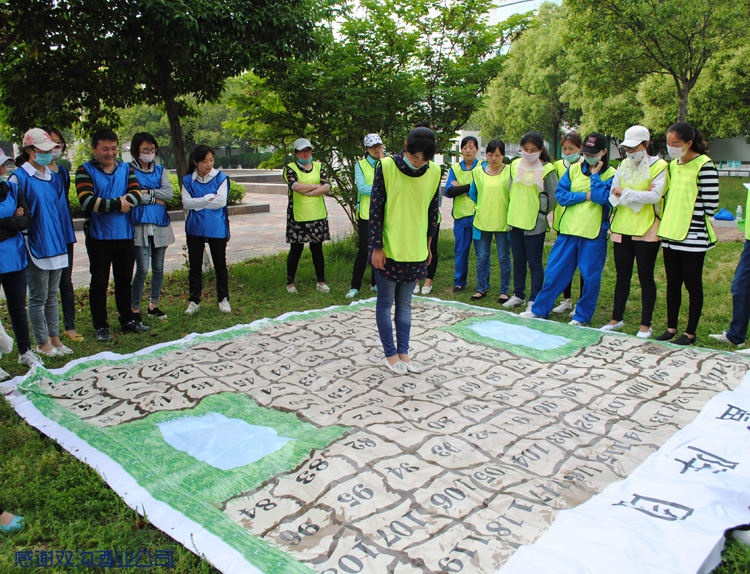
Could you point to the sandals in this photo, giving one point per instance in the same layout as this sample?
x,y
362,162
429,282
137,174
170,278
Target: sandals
x,y
503,298
478,295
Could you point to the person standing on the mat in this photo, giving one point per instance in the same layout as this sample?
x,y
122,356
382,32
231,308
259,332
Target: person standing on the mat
x,y
400,237
584,193
306,214
107,190
457,186
364,175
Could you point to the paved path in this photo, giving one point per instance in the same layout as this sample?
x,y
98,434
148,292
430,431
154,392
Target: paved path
x,y
253,235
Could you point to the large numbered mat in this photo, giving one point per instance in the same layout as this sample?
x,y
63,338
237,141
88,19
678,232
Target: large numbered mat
x,y
285,446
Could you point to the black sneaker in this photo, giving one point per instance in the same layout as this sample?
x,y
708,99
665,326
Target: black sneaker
x,y
666,336
457,288
134,327
158,313
137,317
103,336
684,340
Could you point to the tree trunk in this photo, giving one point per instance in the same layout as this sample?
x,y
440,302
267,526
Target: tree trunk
x,y
170,106
684,91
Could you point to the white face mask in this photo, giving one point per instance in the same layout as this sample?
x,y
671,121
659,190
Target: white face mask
x,y
675,152
637,156
147,157
56,153
530,157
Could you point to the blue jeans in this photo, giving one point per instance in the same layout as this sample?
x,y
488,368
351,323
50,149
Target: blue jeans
x,y
462,231
527,250
737,332
141,270
388,291
569,252
44,310
483,246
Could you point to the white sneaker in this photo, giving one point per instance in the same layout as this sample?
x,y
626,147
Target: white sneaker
x,y
374,289
644,334
721,338
352,293
427,289
413,366
6,341
65,350
573,311
398,369
30,359
54,352
224,306
323,288
291,289
529,314
513,302
4,374
565,305
192,308
575,323
608,327
528,306
416,288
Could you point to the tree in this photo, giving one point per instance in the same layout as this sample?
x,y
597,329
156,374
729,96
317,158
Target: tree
x,y
121,53
389,65
527,94
622,42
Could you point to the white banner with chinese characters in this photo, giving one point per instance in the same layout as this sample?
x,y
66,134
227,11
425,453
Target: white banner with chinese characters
x,y
669,515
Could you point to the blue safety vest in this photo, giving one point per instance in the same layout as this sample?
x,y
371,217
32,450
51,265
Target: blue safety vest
x,y
110,224
51,228
12,250
206,222
154,213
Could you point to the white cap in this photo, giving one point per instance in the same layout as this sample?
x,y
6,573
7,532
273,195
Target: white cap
x,y
635,135
4,158
372,140
38,138
302,143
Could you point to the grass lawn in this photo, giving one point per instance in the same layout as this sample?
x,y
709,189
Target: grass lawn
x,y
69,507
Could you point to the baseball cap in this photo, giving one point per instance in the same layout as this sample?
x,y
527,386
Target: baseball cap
x,y
594,143
4,158
635,136
372,140
38,138
302,143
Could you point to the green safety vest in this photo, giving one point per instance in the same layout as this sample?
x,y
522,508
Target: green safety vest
x,y
407,205
364,200
627,221
524,203
493,196
307,208
582,219
463,206
680,200
558,211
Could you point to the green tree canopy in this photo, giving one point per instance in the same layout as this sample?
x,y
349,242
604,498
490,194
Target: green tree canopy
x,y
72,59
389,65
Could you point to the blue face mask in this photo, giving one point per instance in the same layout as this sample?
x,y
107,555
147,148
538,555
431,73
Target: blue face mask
x,y
304,161
406,160
43,158
592,160
572,158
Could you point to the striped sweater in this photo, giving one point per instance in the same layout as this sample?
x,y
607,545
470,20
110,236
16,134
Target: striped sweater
x,y
706,203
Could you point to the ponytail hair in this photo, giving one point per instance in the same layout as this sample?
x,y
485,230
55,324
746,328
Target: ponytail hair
x,y
197,156
687,133
537,139
22,158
